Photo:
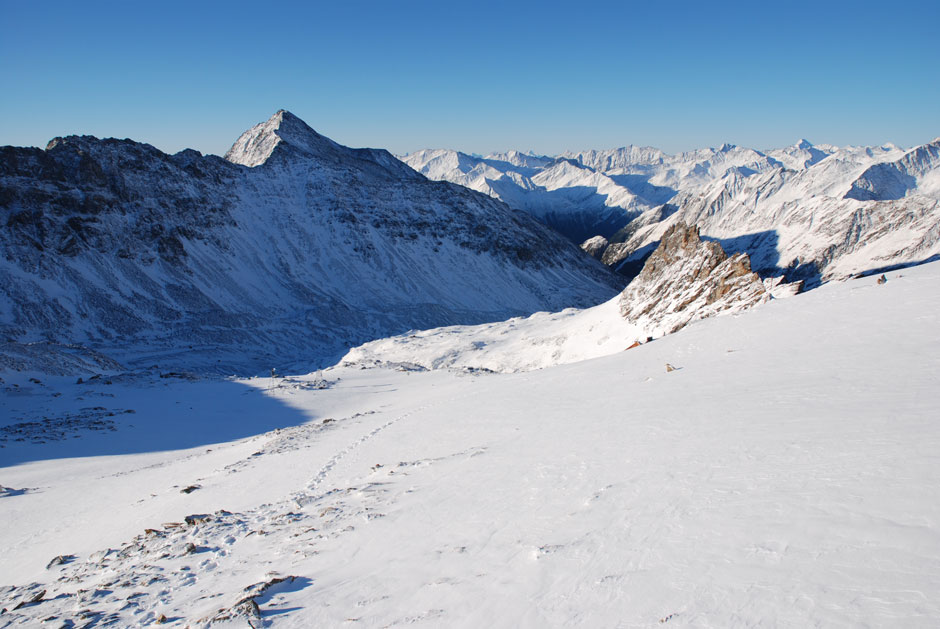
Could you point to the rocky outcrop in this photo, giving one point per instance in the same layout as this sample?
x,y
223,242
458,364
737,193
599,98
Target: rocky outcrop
x,y
686,279
595,246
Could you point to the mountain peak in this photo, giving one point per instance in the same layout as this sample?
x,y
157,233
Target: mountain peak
x,y
258,143
804,144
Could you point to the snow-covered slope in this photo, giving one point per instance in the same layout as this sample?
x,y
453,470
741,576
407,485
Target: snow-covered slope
x,y
683,281
289,252
541,340
918,171
784,474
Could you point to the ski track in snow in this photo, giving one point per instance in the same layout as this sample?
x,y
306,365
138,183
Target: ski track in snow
x,y
339,456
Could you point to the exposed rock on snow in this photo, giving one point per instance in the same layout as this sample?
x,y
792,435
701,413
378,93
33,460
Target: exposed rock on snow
x,y
60,560
687,279
54,358
595,246
615,253
247,606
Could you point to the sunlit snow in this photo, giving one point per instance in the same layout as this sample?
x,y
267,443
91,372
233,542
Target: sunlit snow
x,y
785,473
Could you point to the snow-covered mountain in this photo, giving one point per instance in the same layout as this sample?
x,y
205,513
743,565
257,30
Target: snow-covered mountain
x,y
809,212
587,193
858,210
773,467
288,251
918,171
576,201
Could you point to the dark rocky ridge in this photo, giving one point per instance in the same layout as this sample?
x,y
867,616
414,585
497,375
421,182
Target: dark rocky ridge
x,y
196,261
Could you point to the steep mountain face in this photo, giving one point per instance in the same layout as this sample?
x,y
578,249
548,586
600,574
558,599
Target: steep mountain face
x,y
288,251
595,246
918,170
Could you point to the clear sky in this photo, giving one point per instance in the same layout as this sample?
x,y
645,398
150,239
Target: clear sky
x,y
477,76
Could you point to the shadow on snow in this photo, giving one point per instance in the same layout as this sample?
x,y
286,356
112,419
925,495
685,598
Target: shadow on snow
x,y
133,416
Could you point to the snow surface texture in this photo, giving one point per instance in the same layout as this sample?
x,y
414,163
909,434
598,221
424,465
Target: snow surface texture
x,y
288,254
783,474
808,212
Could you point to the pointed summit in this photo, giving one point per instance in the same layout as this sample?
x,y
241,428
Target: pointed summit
x,y
803,144
256,145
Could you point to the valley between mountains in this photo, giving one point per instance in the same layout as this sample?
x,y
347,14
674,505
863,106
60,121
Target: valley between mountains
x,y
309,385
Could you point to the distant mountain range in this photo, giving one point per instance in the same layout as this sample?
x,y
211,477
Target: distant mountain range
x,y
807,212
285,253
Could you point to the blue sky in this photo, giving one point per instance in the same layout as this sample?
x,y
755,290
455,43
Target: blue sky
x,y
474,76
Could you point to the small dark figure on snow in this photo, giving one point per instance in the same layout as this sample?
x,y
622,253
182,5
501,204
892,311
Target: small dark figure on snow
x,y
882,279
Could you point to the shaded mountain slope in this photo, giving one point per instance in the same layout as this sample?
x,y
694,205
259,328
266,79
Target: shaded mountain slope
x,y
290,251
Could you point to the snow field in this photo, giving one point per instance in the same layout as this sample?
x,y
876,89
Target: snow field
x,y
784,475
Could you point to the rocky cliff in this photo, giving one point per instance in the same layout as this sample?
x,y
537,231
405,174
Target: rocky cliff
x,y
686,279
